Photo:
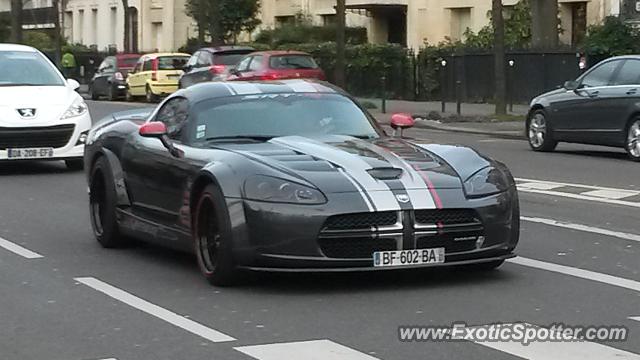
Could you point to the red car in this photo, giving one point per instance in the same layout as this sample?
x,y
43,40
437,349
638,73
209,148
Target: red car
x,y
276,65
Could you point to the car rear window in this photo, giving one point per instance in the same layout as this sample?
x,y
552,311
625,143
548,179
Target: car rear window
x,y
292,62
229,58
127,62
172,62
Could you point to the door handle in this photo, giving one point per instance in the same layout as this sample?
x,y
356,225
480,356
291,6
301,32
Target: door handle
x,y
632,91
593,94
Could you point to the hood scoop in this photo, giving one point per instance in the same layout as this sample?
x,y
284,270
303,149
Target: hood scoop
x,y
385,173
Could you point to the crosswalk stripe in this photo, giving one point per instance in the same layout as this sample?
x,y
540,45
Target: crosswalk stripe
x,y
582,350
307,350
586,228
576,272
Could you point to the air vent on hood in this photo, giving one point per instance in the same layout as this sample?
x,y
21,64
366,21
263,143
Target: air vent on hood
x,y
385,173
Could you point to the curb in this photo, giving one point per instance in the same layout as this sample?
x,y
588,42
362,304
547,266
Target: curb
x,y
514,135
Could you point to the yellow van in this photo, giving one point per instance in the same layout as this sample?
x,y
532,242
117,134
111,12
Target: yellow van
x,y
155,75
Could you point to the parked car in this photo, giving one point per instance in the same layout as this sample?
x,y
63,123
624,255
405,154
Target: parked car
x,y
156,75
211,63
110,78
601,107
276,65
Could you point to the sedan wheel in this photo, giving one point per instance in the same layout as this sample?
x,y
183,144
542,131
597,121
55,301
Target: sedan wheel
x,y
102,206
539,133
633,140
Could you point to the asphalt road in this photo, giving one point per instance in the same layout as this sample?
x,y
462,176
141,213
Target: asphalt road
x,y
64,297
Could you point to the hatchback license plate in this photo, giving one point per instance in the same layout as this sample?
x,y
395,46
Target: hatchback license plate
x,y
30,153
408,257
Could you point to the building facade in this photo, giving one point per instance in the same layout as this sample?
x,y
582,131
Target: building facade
x,y
416,22
155,25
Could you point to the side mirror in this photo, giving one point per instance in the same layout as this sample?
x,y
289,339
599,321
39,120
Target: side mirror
x,y
401,121
154,129
571,85
73,84
187,68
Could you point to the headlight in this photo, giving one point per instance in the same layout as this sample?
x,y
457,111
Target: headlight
x,y
485,182
79,107
266,188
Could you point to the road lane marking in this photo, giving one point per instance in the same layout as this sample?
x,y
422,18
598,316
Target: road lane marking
x,y
19,250
578,350
307,350
591,229
636,318
155,310
610,194
540,185
577,272
580,197
574,185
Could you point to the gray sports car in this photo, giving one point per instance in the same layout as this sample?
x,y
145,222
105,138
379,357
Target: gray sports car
x,y
293,176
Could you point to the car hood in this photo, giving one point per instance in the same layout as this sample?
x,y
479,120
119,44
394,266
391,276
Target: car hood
x,y
338,163
48,103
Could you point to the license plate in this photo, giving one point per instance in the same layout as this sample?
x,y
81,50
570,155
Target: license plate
x,y
408,257
30,153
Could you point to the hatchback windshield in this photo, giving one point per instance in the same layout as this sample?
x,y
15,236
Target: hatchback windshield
x,y
25,68
292,62
281,115
172,62
229,58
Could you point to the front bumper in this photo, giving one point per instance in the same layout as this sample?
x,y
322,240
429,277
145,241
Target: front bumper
x,y
285,237
66,148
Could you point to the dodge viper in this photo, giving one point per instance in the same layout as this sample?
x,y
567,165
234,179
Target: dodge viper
x,y
293,176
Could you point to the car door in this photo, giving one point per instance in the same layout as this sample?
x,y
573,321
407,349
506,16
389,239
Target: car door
x,y
623,101
575,113
241,71
134,79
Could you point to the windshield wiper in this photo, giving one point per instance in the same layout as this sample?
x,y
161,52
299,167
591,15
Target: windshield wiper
x,y
240,137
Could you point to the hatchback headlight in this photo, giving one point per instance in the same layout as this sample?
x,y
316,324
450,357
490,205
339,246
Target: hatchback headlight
x,y
79,107
485,182
271,189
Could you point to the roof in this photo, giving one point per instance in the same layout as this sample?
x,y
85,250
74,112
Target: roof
x,y
157,55
16,47
217,49
281,52
219,89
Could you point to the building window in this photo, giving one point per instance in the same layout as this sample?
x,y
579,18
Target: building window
x,y
94,26
285,20
80,38
460,22
114,26
578,22
329,20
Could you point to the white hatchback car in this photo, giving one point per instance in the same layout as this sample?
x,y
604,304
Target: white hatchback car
x,y
42,117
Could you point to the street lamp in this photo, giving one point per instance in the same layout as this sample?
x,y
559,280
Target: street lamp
x,y
443,79
511,87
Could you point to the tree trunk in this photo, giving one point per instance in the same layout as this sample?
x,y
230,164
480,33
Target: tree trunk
x,y
201,22
544,24
340,43
57,31
499,58
16,21
127,27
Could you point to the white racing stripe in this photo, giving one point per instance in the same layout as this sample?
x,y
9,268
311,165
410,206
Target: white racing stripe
x,y
304,350
19,250
579,273
579,227
301,86
573,350
244,88
357,186
155,310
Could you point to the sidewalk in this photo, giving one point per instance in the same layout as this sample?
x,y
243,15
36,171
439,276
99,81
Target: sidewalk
x,y
424,107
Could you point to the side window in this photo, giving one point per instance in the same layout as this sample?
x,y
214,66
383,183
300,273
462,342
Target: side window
x,y
601,75
629,73
256,63
174,115
193,60
204,59
148,65
244,64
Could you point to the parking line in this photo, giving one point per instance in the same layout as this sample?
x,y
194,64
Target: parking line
x,y
155,310
307,350
19,250
577,272
591,229
573,350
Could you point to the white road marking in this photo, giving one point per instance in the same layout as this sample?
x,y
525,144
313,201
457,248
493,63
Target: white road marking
x,y
540,185
577,272
19,250
573,185
636,318
610,194
307,350
578,350
591,229
155,310
581,197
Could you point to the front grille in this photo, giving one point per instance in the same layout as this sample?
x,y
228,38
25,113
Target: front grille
x,y
447,216
361,220
27,137
355,247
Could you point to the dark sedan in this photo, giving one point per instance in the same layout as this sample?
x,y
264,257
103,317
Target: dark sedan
x,y
602,107
212,63
294,176
110,78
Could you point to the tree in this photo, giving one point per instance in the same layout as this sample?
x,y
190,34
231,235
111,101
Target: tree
x,y
544,24
517,29
340,42
224,20
499,57
16,21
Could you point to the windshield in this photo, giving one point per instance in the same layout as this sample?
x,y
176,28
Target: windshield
x,y
229,58
25,68
292,62
172,62
273,115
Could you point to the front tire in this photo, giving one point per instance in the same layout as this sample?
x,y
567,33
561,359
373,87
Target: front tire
x,y
102,206
150,96
128,96
633,139
74,165
92,93
111,96
212,238
539,132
